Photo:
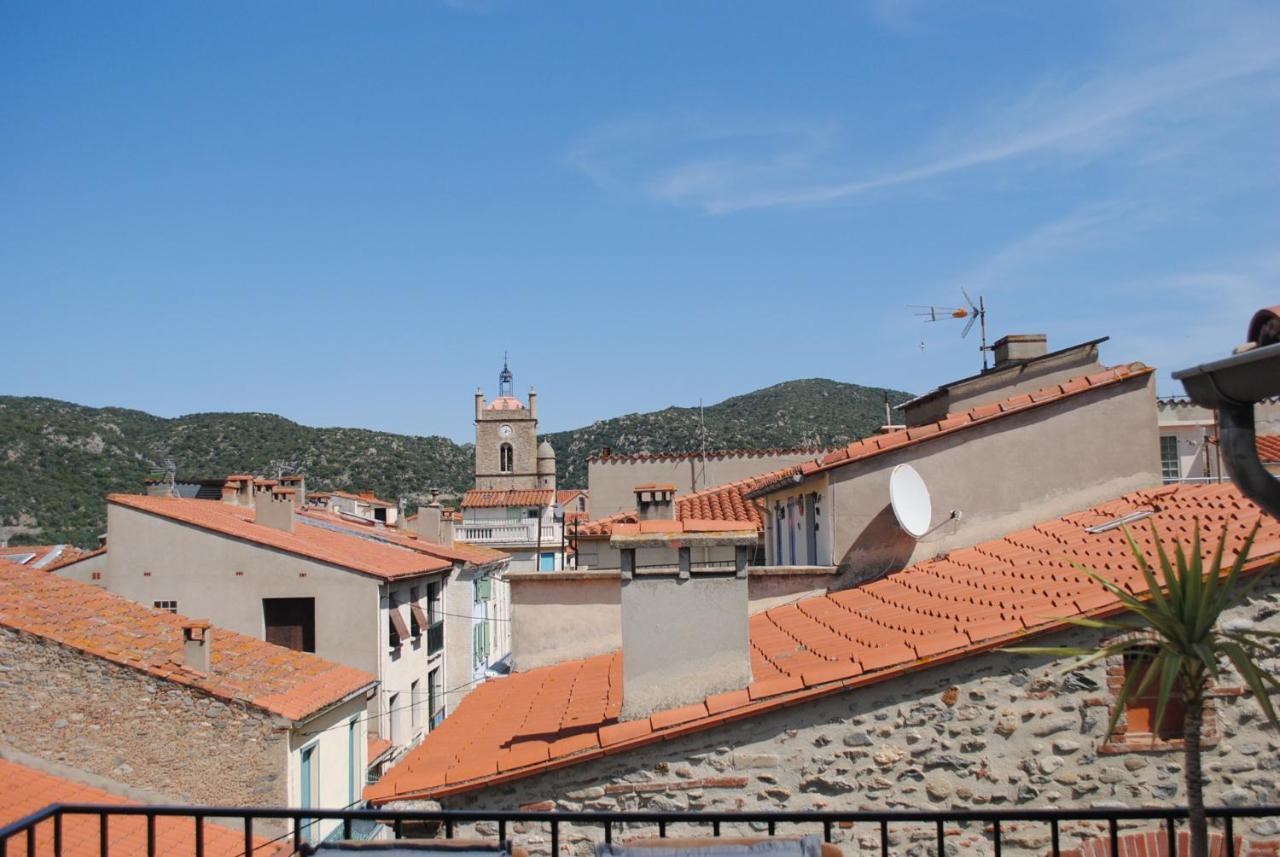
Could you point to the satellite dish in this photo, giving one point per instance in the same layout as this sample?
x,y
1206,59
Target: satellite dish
x,y
909,497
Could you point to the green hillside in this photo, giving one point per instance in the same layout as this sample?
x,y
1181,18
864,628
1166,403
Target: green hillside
x,y
59,460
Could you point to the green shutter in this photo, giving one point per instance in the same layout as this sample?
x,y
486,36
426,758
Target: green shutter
x,y
484,588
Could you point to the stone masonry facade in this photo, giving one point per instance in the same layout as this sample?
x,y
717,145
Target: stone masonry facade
x,y
182,744
996,730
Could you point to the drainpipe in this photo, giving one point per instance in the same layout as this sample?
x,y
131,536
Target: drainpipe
x,y
1231,387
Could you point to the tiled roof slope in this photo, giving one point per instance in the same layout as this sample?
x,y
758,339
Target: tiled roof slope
x,y
105,625
45,555
28,791
71,557
479,498
628,457
727,502
348,551
1269,447
939,610
874,445
347,495
405,538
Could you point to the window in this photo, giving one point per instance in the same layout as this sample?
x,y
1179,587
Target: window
x,y
582,504
1170,461
309,788
435,698
415,612
354,774
415,707
290,622
171,606
433,603
1140,711
480,643
547,561
397,630
393,718
506,458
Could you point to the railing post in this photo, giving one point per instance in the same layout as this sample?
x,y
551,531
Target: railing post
x,y
1229,828
1053,837
942,840
104,847
57,834
199,836
884,837
248,836
995,834
151,834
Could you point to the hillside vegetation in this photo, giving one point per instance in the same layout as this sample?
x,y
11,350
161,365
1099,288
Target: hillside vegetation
x,y
58,460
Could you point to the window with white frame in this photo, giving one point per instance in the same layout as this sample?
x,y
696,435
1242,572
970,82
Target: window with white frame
x,y
1170,460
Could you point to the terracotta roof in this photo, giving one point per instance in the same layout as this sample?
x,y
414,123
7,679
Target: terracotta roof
x,y
943,609
876,444
74,557
1269,447
374,501
505,403
655,486
564,495
479,498
375,558
45,555
683,455
404,538
28,791
105,625
726,502
378,747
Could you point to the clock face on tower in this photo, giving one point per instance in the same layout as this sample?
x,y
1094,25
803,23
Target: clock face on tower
x,y
505,431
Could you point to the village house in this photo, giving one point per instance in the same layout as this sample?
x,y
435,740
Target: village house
x,y
176,709
892,694
1189,450
260,562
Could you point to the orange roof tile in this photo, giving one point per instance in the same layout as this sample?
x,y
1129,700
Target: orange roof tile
x,y
28,791
628,457
41,556
377,747
73,556
105,625
467,553
505,403
564,495
938,610
479,498
1269,447
347,495
726,502
376,558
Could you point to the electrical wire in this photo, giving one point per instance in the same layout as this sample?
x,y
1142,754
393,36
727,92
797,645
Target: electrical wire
x,y
289,833
367,717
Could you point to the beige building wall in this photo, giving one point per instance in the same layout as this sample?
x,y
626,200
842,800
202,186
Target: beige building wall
x,y
1001,476
333,736
611,480
989,731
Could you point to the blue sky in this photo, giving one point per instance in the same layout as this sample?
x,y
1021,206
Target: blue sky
x,y
345,212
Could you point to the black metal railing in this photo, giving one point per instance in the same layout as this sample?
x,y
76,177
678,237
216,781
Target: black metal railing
x,y
45,832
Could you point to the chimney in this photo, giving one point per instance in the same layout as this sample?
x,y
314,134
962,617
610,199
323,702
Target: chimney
x,y
431,526
238,490
196,643
298,483
1019,348
684,631
158,486
655,502
273,506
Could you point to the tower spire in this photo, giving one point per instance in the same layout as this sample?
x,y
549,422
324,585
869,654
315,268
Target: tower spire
x,y
505,378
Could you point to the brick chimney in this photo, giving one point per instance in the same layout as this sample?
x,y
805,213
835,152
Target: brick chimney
x,y
196,644
1019,348
273,506
656,502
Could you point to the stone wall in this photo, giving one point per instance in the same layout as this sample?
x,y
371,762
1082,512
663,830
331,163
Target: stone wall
x,y
181,743
996,730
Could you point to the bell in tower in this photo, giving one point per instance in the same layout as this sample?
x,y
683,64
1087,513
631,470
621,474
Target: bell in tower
x,y
505,379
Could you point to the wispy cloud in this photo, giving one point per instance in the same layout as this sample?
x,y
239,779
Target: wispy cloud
x,y
725,167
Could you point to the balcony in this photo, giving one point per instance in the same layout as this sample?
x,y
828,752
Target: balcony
x,y
122,829
501,533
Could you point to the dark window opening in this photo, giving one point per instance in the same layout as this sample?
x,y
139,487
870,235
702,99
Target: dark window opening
x,y
290,622
1140,709
380,513
506,458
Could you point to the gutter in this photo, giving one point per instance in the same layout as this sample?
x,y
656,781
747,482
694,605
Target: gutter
x,y
1232,386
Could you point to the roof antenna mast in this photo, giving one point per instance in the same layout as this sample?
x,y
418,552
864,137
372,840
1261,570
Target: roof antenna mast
x,y
975,312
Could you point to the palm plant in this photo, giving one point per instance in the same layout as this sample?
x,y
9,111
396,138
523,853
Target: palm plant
x,y
1186,644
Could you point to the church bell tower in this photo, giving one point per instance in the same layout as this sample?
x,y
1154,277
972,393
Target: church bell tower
x,y
506,438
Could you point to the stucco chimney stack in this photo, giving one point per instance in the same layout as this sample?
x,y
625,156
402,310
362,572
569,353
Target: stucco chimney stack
x,y
1019,348
533,404
298,483
196,644
431,526
656,502
273,506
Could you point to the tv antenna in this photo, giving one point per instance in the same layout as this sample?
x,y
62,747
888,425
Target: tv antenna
x,y
975,312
